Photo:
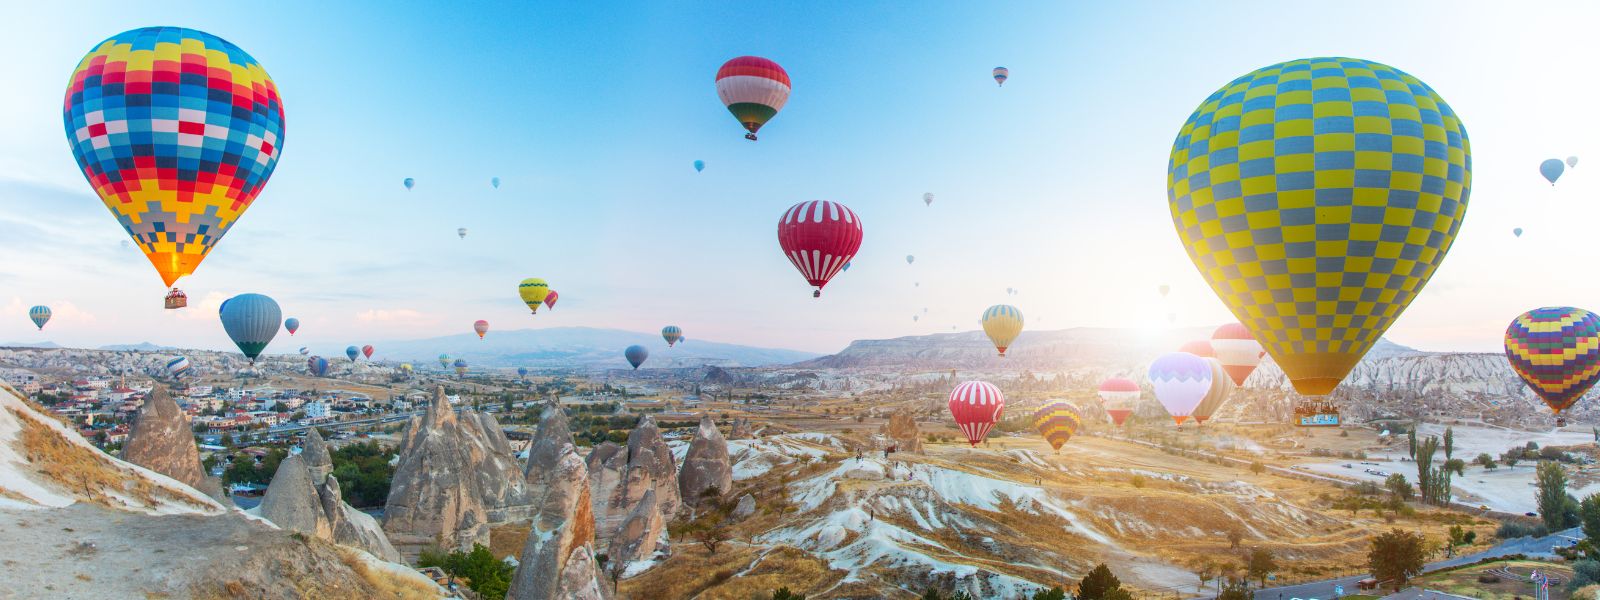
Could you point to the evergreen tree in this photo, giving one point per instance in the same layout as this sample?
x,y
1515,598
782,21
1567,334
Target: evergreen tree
x,y
1449,443
1098,584
1551,482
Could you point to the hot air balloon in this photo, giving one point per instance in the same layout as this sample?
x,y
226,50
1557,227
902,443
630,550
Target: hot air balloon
x,y
636,355
177,367
1181,381
914,318
317,365
819,237
352,352
1002,323
494,182
976,406
1119,396
409,182
1551,169
699,166
846,267
461,367
367,351
1572,161
405,368
461,232
304,351
291,325
1056,422
1200,348
1221,387
481,327
533,291
927,199
550,299
1556,351
672,334
522,372
39,315
1164,289
754,89
1316,256
1000,75
177,131
251,320
1237,350
910,259
444,360
1516,231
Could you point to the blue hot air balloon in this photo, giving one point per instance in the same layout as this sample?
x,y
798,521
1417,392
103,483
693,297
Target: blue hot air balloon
x,y
636,355
461,367
410,182
39,315
1552,169
304,351
251,320
352,352
522,372
178,366
699,166
495,181
1517,232
291,324
317,365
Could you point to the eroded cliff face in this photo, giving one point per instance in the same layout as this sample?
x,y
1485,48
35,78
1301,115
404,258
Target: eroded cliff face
x,y
161,440
707,474
558,559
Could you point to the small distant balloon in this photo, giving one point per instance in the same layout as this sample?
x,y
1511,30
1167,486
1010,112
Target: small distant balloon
x,y
914,318
367,351
251,321
847,266
178,366
462,232
1551,169
699,166
910,259
927,199
291,324
481,327
671,333
39,315
410,183
1000,75
1517,232
522,371
461,367
494,181
636,355
1164,289
317,365
550,299
352,352
1572,161
304,351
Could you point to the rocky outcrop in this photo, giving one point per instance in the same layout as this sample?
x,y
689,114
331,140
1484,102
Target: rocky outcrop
x,y
902,429
549,441
315,452
607,465
497,435
162,441
663,473
451,483
705,466
294,503
639,536
741,429
558,560
745,508
619,476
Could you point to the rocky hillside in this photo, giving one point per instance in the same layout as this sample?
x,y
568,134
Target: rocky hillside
x,y
87,525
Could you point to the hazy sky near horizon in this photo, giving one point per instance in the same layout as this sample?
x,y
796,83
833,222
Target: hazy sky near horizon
x,y
591,116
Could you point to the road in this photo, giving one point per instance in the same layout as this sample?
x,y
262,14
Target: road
x,y
1324,589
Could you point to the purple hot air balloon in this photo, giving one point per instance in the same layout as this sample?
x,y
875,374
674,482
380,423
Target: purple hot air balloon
x,y
1181,381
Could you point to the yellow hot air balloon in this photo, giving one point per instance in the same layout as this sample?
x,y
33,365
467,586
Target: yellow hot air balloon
x,y
1002,323
1316,197
533,290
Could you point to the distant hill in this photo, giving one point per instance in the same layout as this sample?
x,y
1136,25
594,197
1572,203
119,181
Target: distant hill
x,y
577,347
31,345
139,347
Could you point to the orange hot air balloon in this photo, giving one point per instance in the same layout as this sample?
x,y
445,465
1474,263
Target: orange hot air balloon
x,y
481,326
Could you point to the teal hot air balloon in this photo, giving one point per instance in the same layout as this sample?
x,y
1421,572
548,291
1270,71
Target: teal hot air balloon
x,y
495,182
699,166
1552,169
251,320
410,183
291,324
522,372
444,360
352,352
39,315
636,355
1517,232
671,333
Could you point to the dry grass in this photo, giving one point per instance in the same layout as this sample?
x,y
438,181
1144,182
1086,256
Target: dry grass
x,y
690,571
508,540
85,472
783,567
387,585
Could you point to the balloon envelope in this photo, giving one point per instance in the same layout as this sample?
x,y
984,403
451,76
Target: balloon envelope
x,y
304,351
1221,388
1237,350
352,352
819,237
177,367
291,325
976,407
754,89
1316,256
251,321
522,371
480,327
1200,348
444,359
409,182
461,232
1119,396
910,259
699,166
1556,351
1164,289
39,315
177,131
494,182
533,292
1000,75
1181,381
635,355
1551,169
1057,421
317,365
672,334
550,299
1002,323
1572,161
366,351
927,199
1517,232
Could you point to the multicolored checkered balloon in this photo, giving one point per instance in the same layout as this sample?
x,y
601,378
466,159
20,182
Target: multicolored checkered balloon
x,y
177,130
1556,351
1317,196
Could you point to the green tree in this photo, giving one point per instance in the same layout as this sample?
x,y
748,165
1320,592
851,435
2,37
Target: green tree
x,y
1098,584
783,593
1396,557
1238,589
1551,482
1589,514
1411,439
1399,489
1449,443
1055,593
488,576
1259,564
364,473
1458,537
246,470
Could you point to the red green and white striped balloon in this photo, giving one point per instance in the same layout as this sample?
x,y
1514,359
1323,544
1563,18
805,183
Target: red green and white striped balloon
x,y
754,89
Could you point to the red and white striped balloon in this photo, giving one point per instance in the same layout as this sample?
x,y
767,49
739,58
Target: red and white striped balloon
x,y
976,406
1238,351
820,238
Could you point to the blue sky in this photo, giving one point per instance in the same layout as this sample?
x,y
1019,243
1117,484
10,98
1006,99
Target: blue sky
x,y
592,116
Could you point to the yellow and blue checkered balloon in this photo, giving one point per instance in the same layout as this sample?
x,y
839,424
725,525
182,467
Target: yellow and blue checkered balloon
x,y
1317,196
